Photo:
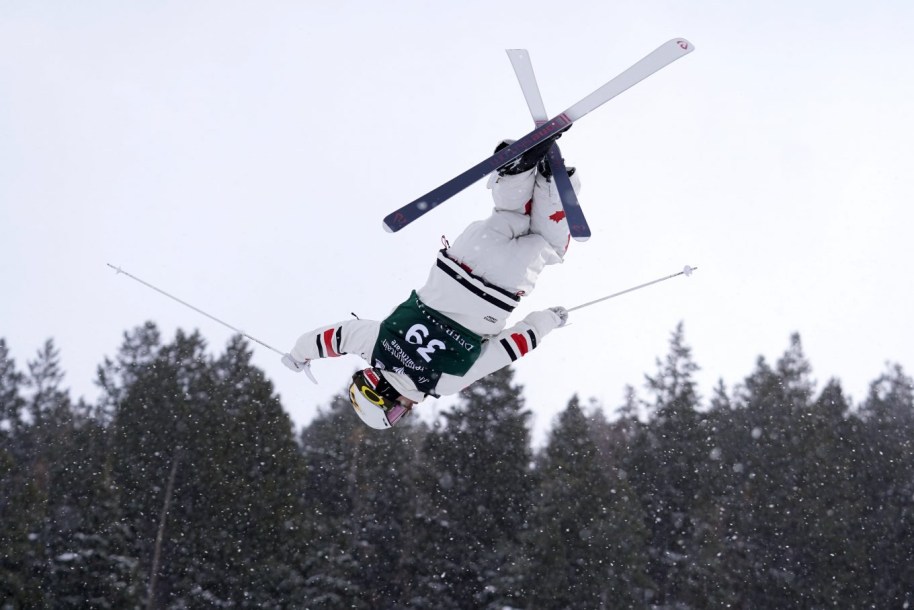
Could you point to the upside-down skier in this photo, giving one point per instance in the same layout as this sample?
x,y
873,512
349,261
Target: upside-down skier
x,y
451,331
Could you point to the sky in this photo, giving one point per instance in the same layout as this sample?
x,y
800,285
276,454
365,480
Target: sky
x,y
241,155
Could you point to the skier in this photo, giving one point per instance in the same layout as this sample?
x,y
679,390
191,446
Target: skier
x,y
451,332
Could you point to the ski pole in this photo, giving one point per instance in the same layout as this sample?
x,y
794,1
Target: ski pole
x,y
686,271
211,317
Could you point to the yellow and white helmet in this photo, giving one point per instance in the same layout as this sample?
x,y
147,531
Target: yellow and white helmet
x,y
375,401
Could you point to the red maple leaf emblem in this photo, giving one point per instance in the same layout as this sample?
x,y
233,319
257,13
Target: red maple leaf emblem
x,y
558,216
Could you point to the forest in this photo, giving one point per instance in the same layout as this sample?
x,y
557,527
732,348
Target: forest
x,y
186,485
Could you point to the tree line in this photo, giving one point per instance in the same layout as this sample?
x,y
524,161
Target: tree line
x,y
186,486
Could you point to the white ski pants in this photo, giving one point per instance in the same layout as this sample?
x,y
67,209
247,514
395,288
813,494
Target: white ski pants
x,y
526,231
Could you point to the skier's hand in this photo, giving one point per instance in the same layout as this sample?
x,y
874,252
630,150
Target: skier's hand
x,y
299,366
561,313
295,365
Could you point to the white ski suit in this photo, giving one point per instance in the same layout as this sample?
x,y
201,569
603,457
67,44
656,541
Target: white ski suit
x,y
473,287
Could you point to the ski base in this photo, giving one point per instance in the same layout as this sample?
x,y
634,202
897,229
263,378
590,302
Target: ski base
x,y
416,209
574,215
661,57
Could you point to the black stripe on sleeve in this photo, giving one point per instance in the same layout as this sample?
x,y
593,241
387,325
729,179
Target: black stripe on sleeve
x,y
320,347
339,335
507,346
532,339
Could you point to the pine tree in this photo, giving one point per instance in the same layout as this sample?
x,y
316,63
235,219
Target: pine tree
x,y
328,445
586,544
51,426
61,543
20,500
148,395
832,548
20,522
673,471
360,496
769,405
86,539
385,505
385,510
724,553
476,488
208,469
887,461
11,401
246,476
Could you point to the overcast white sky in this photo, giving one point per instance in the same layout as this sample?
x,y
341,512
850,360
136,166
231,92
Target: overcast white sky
x,y
241,155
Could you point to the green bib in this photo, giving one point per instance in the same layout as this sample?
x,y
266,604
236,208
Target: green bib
x,y
417,341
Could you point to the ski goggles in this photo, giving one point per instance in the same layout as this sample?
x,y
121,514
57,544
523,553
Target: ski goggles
x,y
369,385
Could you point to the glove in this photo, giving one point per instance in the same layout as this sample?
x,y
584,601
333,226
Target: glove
x,y
293,364
562,313
299,366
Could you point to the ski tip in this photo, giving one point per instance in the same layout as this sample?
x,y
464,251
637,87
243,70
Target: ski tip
x,y
683,44
581,237
396,221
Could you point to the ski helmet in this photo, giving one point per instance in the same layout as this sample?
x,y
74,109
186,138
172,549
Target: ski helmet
x,y
375,401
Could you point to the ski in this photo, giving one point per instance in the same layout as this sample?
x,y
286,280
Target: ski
x,y
523,69
661,57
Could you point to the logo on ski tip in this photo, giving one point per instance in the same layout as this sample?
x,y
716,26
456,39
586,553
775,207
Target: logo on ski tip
x,y
683,44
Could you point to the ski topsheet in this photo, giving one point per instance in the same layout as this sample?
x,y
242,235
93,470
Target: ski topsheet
x,y
574,215
661,57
